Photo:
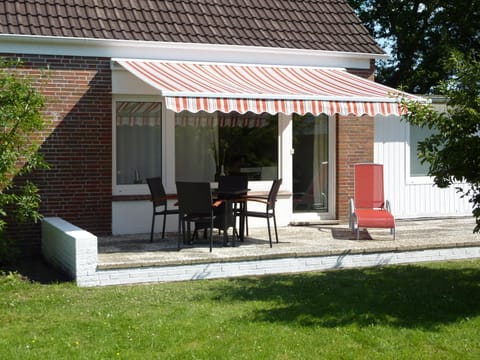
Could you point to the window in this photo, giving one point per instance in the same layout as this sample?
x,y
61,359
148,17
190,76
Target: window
x,y
208,145
418,134
138,141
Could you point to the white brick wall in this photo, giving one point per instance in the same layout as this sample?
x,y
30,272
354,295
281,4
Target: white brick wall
x,y
70,249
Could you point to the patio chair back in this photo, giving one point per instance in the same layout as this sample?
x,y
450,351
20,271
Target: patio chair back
x,y
233,182
194,198
269,208
272,195
369,186
157,191
160,203
234,201
195,205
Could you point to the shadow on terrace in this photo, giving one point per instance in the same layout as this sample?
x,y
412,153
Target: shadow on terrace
x,y
314,240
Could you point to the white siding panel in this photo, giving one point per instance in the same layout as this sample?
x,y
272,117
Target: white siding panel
x,y
410,199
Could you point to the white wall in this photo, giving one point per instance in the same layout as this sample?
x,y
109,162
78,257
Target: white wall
x,y
410,197
135,217
71,250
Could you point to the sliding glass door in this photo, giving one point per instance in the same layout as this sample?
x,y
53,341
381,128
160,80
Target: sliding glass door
x,y
310,163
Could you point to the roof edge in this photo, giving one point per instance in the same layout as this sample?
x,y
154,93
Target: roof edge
x,y
52,45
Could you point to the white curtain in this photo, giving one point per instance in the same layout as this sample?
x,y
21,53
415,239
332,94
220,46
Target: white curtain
x,y
138,141
196,143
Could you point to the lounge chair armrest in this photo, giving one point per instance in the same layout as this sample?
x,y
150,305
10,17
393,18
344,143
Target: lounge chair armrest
x,y
351,220
387,206
351,206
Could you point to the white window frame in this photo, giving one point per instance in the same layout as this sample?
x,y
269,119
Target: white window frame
x,y
133,189
420,180
332,175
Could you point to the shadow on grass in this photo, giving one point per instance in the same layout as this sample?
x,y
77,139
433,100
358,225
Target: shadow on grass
x,y
401,296
37,270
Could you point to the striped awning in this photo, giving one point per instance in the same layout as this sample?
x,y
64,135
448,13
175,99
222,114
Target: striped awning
x,y
214,87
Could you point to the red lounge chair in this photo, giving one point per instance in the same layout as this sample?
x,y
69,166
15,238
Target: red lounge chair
x,y
369,208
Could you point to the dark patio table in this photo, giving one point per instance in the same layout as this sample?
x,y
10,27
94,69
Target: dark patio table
x,y
229,196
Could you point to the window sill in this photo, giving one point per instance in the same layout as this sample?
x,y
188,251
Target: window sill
x,y
148,197
131,197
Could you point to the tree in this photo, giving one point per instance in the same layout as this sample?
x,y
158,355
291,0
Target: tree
x,y
420,35
20,118
453,152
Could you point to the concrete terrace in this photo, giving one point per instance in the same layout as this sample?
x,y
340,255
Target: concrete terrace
x,y
134,251
121,260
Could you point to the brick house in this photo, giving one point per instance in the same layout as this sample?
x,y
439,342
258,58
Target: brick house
x,y
139,89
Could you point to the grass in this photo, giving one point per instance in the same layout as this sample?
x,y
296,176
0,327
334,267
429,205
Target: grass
x,y
427,311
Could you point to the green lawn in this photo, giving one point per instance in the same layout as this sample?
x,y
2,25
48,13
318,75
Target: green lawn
x,y
396,312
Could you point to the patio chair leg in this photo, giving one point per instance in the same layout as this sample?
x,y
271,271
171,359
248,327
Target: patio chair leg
x,y
269,232
211,234
183,230
246,219
275,225
189,239
358,233
164,223
179,230
153,226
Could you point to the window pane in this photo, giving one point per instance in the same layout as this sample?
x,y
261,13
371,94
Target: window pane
x,y
418,134
139,141
207,145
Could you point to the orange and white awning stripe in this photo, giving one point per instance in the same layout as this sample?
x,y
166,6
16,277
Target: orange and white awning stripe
x,y
232,119
214,87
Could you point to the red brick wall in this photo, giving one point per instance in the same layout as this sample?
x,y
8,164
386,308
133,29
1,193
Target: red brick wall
x,y
354,145
355,139
77,144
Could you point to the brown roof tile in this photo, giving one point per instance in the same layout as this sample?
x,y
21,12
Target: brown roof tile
x,y
307,24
